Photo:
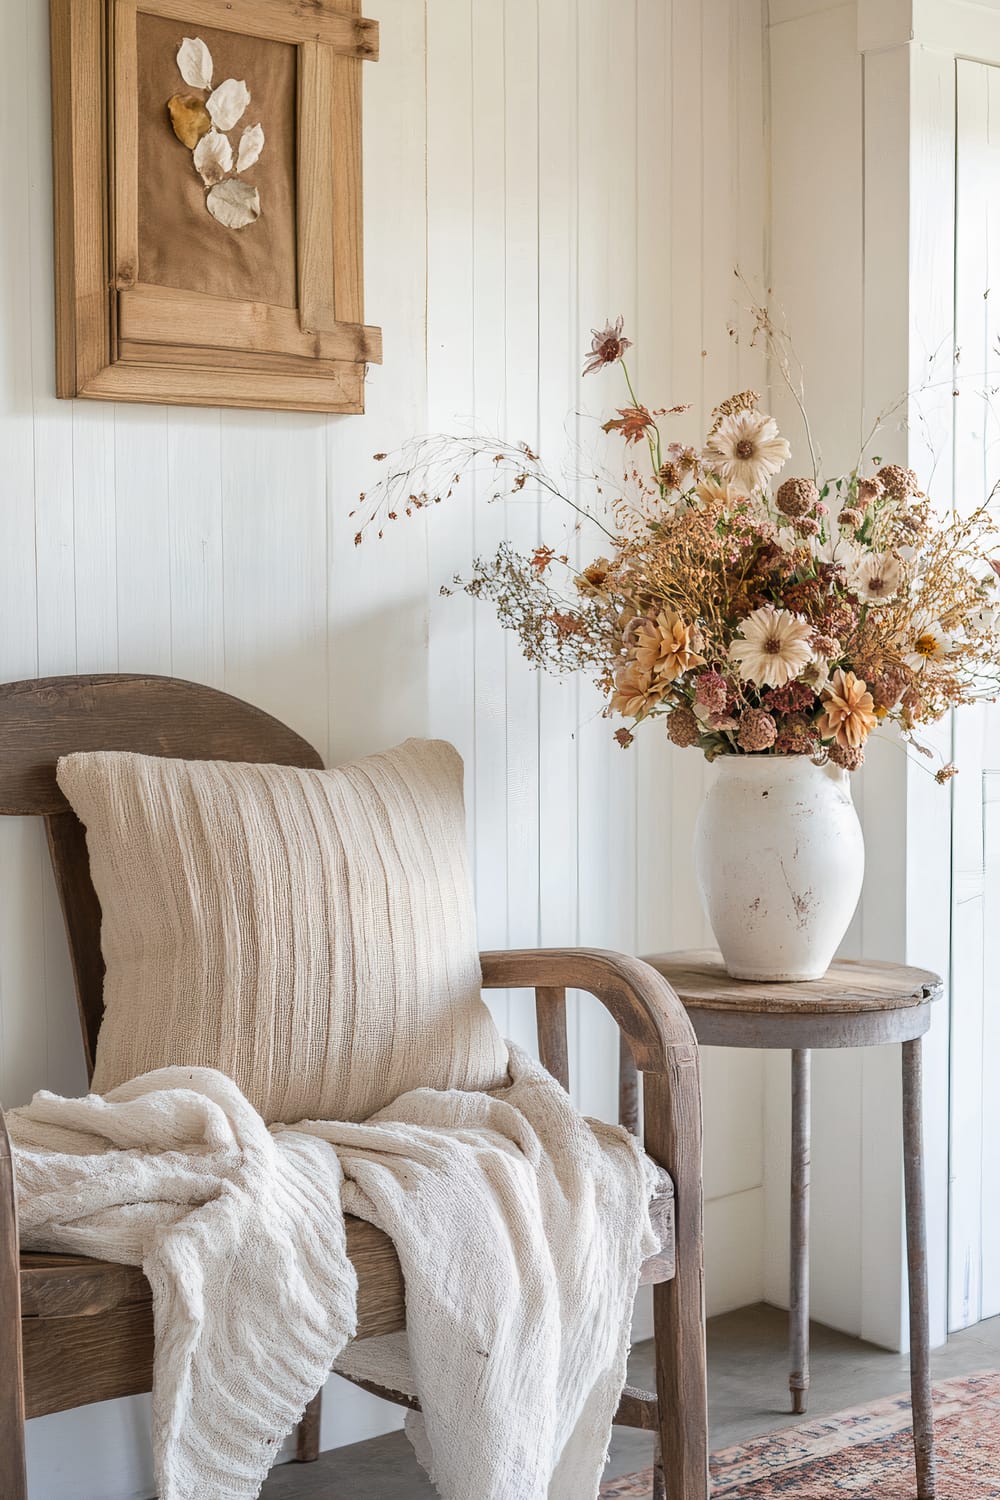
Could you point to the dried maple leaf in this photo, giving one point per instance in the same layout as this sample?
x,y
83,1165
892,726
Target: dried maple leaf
x,y
633,422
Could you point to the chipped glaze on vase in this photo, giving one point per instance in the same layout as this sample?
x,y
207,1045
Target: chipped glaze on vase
x,y
780,859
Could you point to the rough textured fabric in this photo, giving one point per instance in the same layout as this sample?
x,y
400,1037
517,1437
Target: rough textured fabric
x,y
310,934
520,1227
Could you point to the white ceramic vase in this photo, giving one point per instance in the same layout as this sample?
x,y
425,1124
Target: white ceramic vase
x,y
780,858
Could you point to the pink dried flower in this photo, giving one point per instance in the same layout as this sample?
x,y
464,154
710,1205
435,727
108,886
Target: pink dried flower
x,y
849,760
851,517
808,526
711,692
758,730
790,699
684,456
608,347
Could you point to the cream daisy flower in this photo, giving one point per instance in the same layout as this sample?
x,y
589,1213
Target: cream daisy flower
x,y
877,577
746,450
983,621
837,549
773,646
925,641
711,492
816,673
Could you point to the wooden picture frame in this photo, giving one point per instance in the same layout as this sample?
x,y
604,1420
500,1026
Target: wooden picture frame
x,y
120,337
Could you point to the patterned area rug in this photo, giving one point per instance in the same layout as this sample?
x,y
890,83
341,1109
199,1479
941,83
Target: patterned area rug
x,y
866,1453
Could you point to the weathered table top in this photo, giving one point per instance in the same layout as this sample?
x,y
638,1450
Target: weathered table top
x,y
857,1003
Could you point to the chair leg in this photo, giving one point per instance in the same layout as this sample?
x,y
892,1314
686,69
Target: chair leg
x,y
307,1436
13,1469
673,1138
659,1483
682,1396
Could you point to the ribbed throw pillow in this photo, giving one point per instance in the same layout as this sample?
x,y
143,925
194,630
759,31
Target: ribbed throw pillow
x,y
309,933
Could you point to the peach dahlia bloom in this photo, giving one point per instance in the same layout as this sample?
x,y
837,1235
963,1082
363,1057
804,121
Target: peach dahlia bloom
x,y
636,691
848,715
666,645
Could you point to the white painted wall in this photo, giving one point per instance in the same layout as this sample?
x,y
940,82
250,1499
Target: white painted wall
x,y
532,166
863,153
840,248
975,1104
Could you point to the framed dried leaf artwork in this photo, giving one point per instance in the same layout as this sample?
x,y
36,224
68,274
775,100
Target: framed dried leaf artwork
x,y
208,202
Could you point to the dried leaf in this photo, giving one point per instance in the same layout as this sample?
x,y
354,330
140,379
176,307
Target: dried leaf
x,y
251,145
234,203
189,117
228,102
195,62
213,157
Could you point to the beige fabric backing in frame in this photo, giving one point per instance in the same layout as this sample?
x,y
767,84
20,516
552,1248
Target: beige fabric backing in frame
x,y
180,244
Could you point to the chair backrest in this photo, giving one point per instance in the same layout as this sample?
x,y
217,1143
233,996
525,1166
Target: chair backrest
x,y
53,716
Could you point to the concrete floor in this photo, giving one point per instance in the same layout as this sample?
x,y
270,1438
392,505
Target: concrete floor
x,y
747,1358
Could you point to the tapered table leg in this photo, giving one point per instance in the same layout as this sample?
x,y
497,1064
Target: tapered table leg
x,y
916,1255
798,1380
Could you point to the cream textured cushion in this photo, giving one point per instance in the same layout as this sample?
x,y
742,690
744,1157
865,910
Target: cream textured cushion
x,y
309,933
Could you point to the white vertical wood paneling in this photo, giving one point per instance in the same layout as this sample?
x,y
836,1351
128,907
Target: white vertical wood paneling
x,y
142,538
521,65
561,324
975,1037
532,167
928,903
870,310
194,547
817,180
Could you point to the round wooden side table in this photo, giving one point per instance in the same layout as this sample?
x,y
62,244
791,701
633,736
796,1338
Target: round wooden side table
x,y
855,1004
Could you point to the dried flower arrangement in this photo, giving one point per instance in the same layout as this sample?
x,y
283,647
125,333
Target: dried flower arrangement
x,y
201,121
755,619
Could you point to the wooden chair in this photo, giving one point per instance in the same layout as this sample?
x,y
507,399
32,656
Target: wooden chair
x,y
75,1330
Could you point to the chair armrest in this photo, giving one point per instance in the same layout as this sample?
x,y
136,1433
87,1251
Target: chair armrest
x,y
664,1046
642,1002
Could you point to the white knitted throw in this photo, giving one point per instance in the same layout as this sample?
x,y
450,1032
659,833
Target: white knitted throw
x,y
521,1229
